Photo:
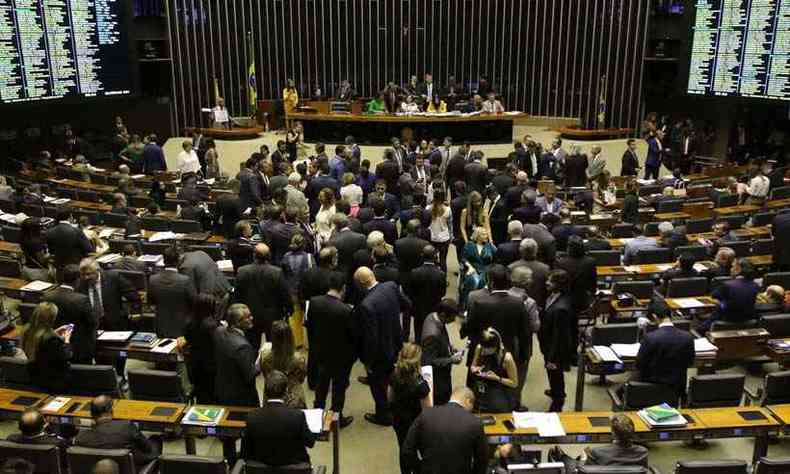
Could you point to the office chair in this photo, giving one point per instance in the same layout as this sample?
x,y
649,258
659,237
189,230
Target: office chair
x,y
687,287
114,220
717,390
75,175
11,233
155,248
651,229
608,334
658,255
605,258
711,467
763,218
638,395
778,325
15,374
622,231
67,193
93,380
138,279
93,216
697,251
155,223
727,200
186,226
83,459
117,245
139,201
782,192
46,457
172,204
736,222
25,311
10,268
775,390
772,466
718,281
252,467
33,210
179,464
155,385
777,278
763,247
650,189
698,226
213,251
641,289
742,248
669,205
726,326
87,195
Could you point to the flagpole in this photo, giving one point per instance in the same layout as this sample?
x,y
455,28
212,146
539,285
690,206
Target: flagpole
x,y
252,80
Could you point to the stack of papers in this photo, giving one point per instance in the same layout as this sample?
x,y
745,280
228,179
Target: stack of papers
x,y
61,201
203,416
688,303
626,350
547,424
606,354
315,419
164,346
167,235
109,258
115,336
56,404
37,285
662,416
150,258
703,346
225,265
105,233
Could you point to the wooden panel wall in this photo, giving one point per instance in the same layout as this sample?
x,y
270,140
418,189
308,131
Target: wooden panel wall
x,y
545,57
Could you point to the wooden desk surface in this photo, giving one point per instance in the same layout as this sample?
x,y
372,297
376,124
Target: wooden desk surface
x,y
402,118
73,183
671,216
723,418
782,412
778,203
9,247
734,210
673,303
24,399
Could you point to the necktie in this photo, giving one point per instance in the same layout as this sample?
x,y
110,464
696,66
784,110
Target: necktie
x,y
96,301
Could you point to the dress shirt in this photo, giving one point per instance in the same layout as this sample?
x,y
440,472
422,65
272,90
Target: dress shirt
x,y
493,107
188,162
758,187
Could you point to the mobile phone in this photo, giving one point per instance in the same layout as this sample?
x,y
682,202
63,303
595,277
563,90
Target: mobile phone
x,y
509,425
164,342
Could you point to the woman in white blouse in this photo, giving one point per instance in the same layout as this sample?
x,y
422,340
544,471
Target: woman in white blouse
x,y
187,161
758,188
352,193
441,226
323,219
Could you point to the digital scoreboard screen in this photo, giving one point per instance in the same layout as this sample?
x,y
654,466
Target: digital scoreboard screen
x,y
741,48
51,49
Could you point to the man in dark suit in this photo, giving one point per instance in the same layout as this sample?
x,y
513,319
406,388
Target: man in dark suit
x,y
557,336
153,157
281,233
333,327
315,282
391,202
235,358
204,273
321,180
380,221
229,210
426,288
447,439
506,179
780,229
33,429
277,435
108,433
75,308
249,188
456,168
409,250
528,212
262,287
437,351
378,318
508,252
476,174
540,271
347,242
576,170
240,248
67,244
389,171
173,294
630,163
666,353
513,194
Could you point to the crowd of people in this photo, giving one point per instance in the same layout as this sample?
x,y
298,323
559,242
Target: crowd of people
x,y
335,261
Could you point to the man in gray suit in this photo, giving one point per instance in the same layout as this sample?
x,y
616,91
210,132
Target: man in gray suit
x,y
437,351
235,356
521,281
173,295
597,164
540,271
204,273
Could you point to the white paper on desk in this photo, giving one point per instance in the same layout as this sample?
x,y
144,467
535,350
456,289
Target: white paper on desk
x,y
626,350
137,176
700,267
247,211
164,348
209,181
61,201
315,419
115,336
36,285
664,266
109,258
687,303
56,404
150,258
632,268
225,265
105,233
158,236
606,354
547,424
701,344
49,198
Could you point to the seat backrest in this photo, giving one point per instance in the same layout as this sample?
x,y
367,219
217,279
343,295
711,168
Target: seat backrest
x,y
138,279
763,247
778,325
25,311
585,469
117,245
93,380
777,278
697,251
763,218
698,226
620,231
213,251
727,200
660,255
93,216
179,464
155,385
649,189
651,229
9,267
15,373
87,195
742,248
33,210
728,326
114,220
718,281
608,334
46,457
67,193
772,466
139,201
715,390
642,289
736,222
83,459
685,287
12,234
781,192
155,223
252,467
172,204
155,248
638,395
711,467
777,388
186,226
670,205
605,258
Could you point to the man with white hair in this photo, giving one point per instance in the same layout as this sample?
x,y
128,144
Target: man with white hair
x,y
295,197
539,270
513,193
508,252
597,164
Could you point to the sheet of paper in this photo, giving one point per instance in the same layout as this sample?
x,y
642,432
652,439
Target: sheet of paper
x,y
688,302
626,350
164,348
700,267
150,258
701,344
606,354
315,419
36,285
109,336
547,424
109,258
56,404
137,176
632,268
159,236
224,265
105,233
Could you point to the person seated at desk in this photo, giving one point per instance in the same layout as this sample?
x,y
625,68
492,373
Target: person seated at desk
x,y
683,268
596,240
276,434
108,433
34,429
129,261
549,203
672,237
638,242
770,301
621,452
409,106
737,296
492,105
722,267
666,353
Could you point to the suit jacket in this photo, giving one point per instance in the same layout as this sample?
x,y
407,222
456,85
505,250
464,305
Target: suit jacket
x,y
262,288
315,186
249,189
68,245
240,251
597,166
235,377
347,242
655,152
736,300
378,318
437,352
279,237
547,246
389,171
502,182
230,211
576,170
204,273
173,294
664,357
75,308
119,434
583,277
780,229
449,440
426,288
456,170
505,313
614,454
513,197
334,331
277,435
153,159
527,214
116,291
507,252
409,252
630,163
558,332
314,282
540,273
385,226
476,176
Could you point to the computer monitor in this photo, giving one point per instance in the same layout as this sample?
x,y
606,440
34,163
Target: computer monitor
x,y
542,468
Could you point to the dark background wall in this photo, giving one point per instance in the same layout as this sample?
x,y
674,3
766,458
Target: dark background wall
x,y
545,57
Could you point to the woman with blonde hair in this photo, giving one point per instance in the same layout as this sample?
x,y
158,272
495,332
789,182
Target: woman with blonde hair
x,y
323,219
408,393
474,216
285,358
49,353
494,374
478,255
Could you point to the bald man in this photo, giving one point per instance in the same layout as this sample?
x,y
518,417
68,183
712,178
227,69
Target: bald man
x,y
378,316
33,429
262,287
106,466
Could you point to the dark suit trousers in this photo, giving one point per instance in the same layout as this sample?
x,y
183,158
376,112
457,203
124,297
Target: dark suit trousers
x,y
338,378
557,388
651,172
443,248
379,380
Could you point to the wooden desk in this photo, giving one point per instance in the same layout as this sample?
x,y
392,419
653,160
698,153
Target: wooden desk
x,y
777,204
671,216
620,271
142,413
731,423
73,183
673,303
10,248
13,287
735,210
14,402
